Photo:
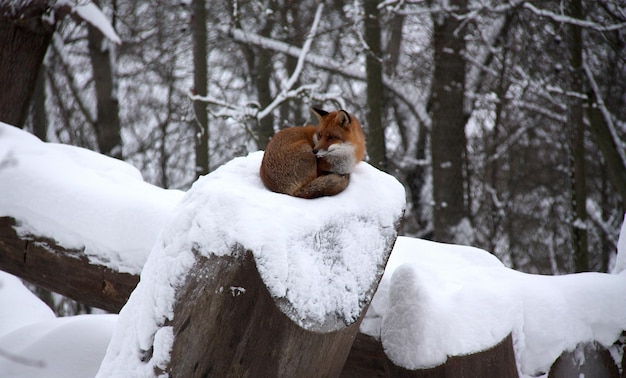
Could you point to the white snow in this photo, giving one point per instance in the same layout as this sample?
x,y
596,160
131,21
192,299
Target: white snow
x,y
438,300
81,199
434,301
36,344
321,255
89,12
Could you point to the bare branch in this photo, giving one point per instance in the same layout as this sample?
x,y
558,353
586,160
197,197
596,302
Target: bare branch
x,y
415,106
572,21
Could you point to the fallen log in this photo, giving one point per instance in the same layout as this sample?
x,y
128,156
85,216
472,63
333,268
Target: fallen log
x,y
65,271
367,358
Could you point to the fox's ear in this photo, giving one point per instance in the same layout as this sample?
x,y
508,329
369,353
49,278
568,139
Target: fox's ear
x,y
343,118
319,113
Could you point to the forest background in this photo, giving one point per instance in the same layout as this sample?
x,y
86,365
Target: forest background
x,y
505,121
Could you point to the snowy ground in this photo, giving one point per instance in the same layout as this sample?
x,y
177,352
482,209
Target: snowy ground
x,y
435,300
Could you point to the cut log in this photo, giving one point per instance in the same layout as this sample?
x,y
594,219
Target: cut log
x,y
586,360
244,282
237,330
496,362
366,359
65,271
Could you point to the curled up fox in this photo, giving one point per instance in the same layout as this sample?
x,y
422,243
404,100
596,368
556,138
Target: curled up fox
x,y
314,161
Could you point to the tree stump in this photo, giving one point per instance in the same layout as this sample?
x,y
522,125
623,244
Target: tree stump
x,y
227,324
245,282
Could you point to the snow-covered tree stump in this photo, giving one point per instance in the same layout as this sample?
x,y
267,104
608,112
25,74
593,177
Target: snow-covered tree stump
x,y
247,282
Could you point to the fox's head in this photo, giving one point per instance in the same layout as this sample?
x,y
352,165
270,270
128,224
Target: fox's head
x,y
339,138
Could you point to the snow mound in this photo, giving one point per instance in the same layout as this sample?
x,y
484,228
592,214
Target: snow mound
x,y
18,306
81,199
437,300
36,344
322,256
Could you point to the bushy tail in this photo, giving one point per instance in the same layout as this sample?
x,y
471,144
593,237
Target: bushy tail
x,y
326,185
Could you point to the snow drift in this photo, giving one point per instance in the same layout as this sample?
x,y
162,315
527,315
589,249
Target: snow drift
x,y
437,300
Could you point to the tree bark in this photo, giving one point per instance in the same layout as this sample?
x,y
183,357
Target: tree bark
x,y
200,83
236,329
495,362
24,39
448,140
65,271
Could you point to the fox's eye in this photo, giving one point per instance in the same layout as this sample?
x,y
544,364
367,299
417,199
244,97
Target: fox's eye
x,y
330,137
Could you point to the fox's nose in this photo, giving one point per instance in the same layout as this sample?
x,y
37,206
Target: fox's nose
x,y
315,151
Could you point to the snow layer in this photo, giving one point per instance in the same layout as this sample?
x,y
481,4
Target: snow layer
x,y
36,344
321,255
437,300
81,199
92,14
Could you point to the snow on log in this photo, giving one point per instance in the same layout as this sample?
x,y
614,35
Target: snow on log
x,y
437,302
244,280
65,271
81,200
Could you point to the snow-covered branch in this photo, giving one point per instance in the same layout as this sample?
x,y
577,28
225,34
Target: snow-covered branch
x,y
605,114
286,92
331,64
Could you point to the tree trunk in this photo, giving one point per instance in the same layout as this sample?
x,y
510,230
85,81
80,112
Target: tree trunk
x,y
108,128
448,140
65,271
200,83
40,117
263,68
575,120
24,39
374,76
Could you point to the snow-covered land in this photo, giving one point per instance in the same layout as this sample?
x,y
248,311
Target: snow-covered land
x,y
435,300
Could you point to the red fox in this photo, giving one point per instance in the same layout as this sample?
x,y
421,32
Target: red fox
x,y
314,161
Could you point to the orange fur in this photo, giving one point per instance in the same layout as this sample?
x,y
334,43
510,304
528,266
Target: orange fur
x,y
314,161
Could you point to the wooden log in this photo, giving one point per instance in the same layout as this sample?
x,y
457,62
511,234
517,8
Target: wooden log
x,y
586,360
366,359
236,328
65,271
495,362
